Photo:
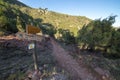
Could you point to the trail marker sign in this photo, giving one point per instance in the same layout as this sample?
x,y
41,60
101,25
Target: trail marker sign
x,y
31,46
30,34
32,29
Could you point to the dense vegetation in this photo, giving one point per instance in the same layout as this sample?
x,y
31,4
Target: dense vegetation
x,y
100,35
11,18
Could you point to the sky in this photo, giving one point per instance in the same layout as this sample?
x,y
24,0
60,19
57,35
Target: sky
x,y
93,9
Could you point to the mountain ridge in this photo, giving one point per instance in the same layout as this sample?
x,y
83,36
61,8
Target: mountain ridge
x,y
24,14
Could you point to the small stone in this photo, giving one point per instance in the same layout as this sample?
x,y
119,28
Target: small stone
x,y
103,77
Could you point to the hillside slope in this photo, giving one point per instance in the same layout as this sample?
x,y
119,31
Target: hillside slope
x,y
15,15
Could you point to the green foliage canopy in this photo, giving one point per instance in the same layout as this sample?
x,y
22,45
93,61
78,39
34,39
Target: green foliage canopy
x,y
99,34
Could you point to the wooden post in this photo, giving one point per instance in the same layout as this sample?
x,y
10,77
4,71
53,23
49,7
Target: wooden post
x,y
34,51
26,28
35,57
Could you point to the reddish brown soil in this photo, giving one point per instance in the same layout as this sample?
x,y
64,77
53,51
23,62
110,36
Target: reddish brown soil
x,y
77,71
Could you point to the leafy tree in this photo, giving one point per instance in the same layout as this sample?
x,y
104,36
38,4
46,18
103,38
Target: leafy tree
x,y
67,36
48,29
114,48
100,33
3,22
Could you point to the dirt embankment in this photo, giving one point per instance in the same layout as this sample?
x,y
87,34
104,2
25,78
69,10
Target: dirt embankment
x,y
16,60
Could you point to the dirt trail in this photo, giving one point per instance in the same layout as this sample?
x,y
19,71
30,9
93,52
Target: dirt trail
x,y
78,71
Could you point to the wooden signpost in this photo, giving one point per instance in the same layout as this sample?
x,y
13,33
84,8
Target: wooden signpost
x,y
30,34
33,30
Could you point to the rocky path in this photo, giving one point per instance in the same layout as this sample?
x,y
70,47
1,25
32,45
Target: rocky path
x,y
77,71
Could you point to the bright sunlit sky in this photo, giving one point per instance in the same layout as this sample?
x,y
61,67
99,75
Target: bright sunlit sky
x,y
92,9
